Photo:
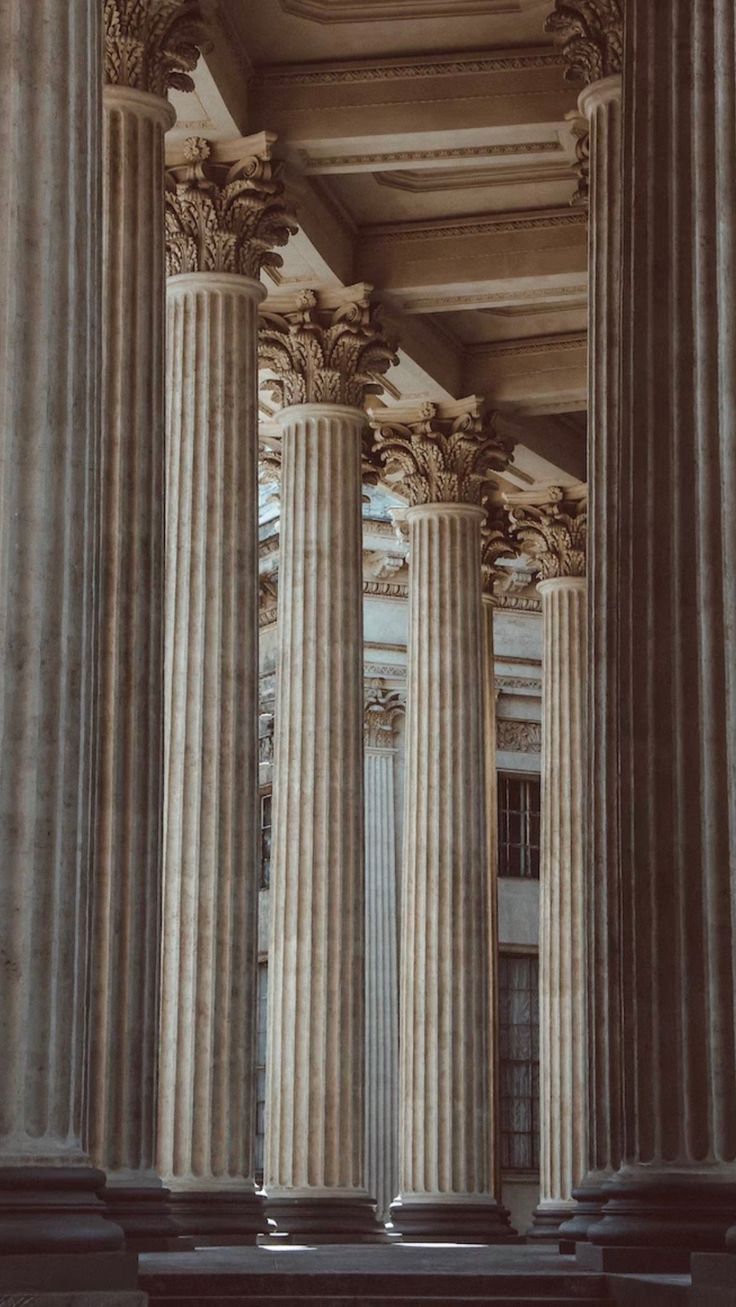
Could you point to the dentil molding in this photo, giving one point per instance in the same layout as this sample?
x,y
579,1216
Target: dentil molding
x,y
152,45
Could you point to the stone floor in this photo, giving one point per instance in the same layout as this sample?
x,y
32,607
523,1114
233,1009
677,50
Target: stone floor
x,y
389,1275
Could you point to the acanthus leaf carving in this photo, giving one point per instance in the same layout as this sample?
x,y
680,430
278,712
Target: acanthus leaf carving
x,y
325,349
152,45
441,454
382,708
495,543
225,217
551,527
590,35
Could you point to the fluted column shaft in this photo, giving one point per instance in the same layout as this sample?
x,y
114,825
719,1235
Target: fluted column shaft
x,y
129,791
206,1092
601,105
491,781
445,1141
676,551
381,980
50,89
563,1059
314,1089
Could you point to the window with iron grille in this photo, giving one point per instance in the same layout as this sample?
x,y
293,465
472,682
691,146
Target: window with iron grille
x,y
519,1060
518,826
265,839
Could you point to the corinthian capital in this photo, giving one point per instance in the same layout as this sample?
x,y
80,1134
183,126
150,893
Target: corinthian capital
x,y
441,453
324,347
551,527
382,708
590,33
152,45
226,214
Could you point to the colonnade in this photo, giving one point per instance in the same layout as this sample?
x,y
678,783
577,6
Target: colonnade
x,y
128,524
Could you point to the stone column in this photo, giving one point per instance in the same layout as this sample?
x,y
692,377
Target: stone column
x,y
50,107
325,351
383,708
551,527
223,215
676,648
147,45
591,37
440,458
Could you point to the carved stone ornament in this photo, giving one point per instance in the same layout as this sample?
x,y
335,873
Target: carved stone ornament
x,y
495,543
152,45
551,527
581,132
225,217
590,35
382,707
324,347
441,453
518,737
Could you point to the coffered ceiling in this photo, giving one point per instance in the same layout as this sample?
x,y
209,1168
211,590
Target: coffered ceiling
x,y
429,151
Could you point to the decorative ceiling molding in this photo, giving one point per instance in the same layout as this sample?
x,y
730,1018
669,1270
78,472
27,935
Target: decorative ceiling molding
x,y
525,310
426,180
386,70
317,163
528,298
440,229
534,345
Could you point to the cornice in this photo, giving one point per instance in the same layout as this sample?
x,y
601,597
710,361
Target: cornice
x,y
504,149
532,345
361,11
440,229
386,70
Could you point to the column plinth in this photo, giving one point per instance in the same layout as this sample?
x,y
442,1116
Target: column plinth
x,y
50,90
446,1149
148,48
322,349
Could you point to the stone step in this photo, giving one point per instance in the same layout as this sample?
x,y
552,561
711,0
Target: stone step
x,y
493,1300
311,1287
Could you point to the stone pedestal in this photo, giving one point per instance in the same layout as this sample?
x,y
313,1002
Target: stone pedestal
x,y
382,709
446,1170
594,56
675,613
50,84
221,216
147,46
314,1174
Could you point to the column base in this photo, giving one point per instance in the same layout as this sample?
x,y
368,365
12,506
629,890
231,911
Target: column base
x,y
590,1199
324,1220
219,1218
439,1222
678,1215
546,1222
49,1209
144,1215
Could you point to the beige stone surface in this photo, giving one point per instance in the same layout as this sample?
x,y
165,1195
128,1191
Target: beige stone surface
x,y
206,1079
314,1089
126,925
49,367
